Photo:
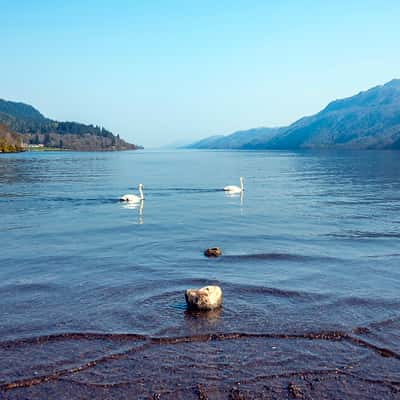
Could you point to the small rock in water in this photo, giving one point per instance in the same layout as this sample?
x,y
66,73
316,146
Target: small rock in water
x,y
206,298
295,391
213,252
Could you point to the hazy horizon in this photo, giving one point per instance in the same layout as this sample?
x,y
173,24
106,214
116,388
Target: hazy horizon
x,y
161,73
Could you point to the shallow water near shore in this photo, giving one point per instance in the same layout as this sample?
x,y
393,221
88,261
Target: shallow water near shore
x,y
92,291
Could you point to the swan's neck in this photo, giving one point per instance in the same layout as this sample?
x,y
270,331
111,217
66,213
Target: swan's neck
x,y
141,208
141,193
241,184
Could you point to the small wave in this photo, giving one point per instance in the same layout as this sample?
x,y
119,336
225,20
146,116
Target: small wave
x,y
367,302
350,202
240,288
388,322
272,256
82,200
74,336
185,190
263,290
167,340
364,235
384,255
14,228
89,199
244,289
63,199
7,196
29,287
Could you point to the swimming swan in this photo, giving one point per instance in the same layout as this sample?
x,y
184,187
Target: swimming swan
x,y
235,189
132,198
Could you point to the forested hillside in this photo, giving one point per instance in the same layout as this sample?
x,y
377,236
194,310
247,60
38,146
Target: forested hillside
x,y
37,129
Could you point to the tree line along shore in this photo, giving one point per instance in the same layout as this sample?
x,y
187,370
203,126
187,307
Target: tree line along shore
x,y
22,127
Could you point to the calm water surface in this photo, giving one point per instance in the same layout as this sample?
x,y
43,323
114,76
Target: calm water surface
x,y
91,290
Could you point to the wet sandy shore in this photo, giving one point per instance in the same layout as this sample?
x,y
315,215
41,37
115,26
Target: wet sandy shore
x,y
321,365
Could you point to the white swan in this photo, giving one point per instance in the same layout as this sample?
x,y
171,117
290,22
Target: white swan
x,y
235,189
132,198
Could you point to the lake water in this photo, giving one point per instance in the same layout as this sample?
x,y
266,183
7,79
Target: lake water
x,y
92,291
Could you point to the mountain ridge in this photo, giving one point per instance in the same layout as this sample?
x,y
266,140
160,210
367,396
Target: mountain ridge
x,y
367,120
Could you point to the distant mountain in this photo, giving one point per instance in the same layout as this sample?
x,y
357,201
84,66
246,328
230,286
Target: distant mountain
x,y
368,120
237,140
35,128
10,142
208,143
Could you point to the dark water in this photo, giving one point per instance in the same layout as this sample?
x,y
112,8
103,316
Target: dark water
x,y
91,291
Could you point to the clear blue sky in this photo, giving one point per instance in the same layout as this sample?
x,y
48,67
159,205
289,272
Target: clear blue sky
x,y
160,71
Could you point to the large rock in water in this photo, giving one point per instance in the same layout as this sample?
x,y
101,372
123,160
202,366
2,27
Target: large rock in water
x,y
206,298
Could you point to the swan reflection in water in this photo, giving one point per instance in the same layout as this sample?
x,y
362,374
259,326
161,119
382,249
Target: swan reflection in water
x,y
133,206
235,194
